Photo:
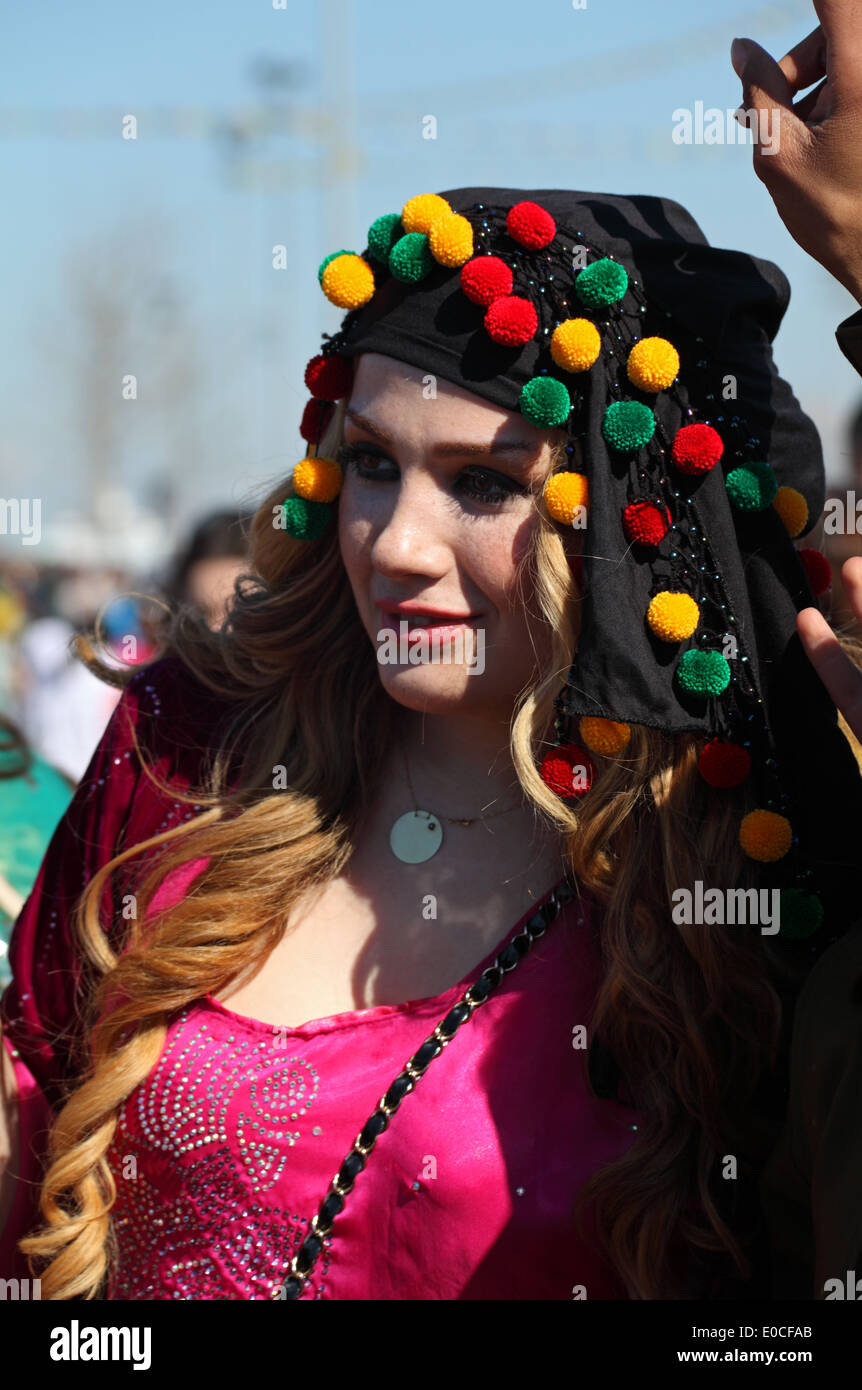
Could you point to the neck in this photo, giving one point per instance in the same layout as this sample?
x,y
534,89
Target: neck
x,y
461,761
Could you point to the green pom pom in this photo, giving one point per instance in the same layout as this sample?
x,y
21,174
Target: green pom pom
x,y
703,673
304,519
546,402
603,282
753,487
331,257
800,913
410,258
628,425
383,234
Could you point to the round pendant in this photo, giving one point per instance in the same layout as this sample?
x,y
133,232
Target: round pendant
x,y
415,836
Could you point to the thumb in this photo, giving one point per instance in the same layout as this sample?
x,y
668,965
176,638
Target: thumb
x,y
765,89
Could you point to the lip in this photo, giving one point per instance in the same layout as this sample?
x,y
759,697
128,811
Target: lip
x,y
416,610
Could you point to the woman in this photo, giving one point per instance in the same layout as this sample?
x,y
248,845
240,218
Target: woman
x,y
363,823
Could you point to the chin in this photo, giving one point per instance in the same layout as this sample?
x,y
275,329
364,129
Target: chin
x,y
430,689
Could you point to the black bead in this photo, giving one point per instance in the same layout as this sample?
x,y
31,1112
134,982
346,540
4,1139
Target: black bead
x,y
454,1019
308,1253
430,1049
350,1168
479,992
333,1204
374,1125
522,943
565,892
292,1287
549,911
536,925
509,957
493,975
398,1090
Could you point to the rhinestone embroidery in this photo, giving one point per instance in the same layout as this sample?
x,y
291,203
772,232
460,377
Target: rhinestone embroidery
x,y
162,1220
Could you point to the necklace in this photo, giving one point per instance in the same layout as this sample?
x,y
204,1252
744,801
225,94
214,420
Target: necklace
x,y
417,835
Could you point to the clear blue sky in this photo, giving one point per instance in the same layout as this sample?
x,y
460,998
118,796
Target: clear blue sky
x,y
538,95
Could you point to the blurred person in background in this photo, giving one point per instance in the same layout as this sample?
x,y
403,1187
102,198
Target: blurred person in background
x,y
61,706
33,797
207,565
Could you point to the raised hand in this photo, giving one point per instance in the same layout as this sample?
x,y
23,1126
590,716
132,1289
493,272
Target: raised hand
x,y
814,173
841,677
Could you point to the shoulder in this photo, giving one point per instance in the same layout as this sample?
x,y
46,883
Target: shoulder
x,y
176,717
159,742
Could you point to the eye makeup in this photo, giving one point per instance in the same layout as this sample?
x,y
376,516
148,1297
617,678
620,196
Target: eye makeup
x,y
484,485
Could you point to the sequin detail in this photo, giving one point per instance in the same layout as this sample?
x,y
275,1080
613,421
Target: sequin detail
x,y
198,1145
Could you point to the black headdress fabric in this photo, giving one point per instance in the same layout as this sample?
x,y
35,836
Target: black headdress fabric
x,y
721,310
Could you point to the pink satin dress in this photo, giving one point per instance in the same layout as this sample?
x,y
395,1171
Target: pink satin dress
x,y
224,1153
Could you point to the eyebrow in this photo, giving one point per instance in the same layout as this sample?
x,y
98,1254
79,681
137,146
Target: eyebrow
x,y
518,447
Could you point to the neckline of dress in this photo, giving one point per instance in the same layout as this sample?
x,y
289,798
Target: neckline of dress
x,y
352,1017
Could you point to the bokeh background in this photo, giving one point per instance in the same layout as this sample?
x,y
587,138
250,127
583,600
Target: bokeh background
x,y
266,124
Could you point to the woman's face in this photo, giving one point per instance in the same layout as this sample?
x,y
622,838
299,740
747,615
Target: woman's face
x,y
435,513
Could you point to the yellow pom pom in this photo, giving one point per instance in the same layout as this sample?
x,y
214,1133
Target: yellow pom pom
x,y
792,508
348,281
317,479
604,736
653,364
420,213
564,493
673,616
451,239
765,835
575,344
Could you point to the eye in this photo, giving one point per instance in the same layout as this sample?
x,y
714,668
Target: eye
x,y
488,486
358,456
482,484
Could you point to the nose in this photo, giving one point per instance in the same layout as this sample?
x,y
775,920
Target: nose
x,y
413,534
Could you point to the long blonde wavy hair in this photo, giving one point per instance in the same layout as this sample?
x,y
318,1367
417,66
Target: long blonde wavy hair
x,y
693,1019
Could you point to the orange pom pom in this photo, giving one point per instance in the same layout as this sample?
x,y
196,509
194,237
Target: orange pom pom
x,y
317,479
564,494
605,736
765,835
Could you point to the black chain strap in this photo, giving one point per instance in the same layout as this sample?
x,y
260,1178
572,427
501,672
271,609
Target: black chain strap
x,y
333,1203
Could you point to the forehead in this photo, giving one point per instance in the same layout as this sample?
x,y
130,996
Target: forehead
x,y
413,403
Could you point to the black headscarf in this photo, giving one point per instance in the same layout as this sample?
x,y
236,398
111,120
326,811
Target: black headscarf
x,y
721,310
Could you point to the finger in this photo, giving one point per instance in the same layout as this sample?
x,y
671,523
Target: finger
x,y
756,68
814,106
766,91
839,20
851,576
838,673
806,61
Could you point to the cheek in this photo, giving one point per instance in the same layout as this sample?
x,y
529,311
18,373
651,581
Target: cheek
x,y
354,532
511,556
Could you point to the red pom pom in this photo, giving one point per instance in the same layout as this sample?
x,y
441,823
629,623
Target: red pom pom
x,y
558,770
818,569
486,278
530,225
315,418
696,448
724,764
511,320
329,378
646,523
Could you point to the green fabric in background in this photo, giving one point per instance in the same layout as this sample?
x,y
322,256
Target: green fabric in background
x,y
30,807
